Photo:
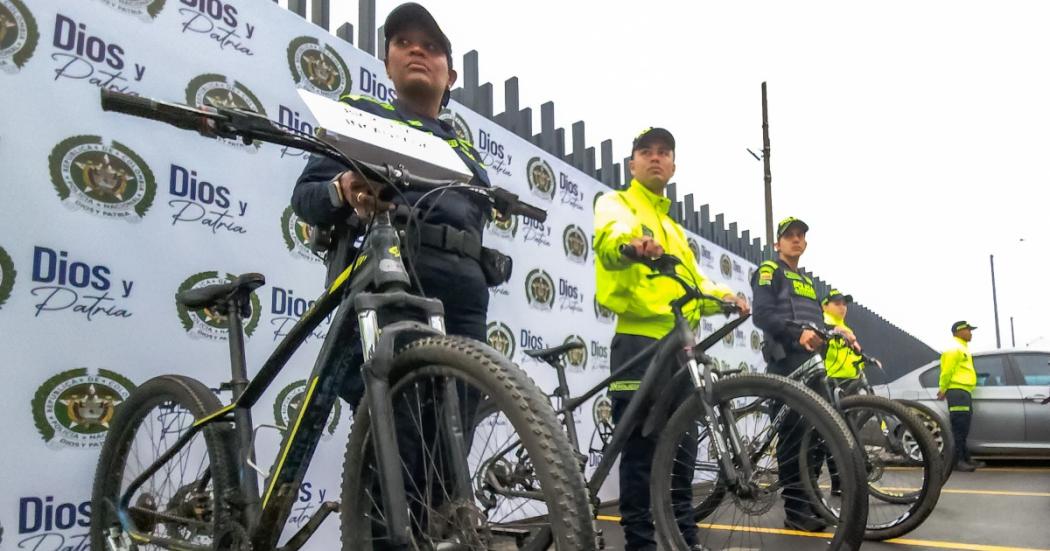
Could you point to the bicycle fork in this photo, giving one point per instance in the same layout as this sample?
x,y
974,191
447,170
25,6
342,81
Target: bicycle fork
x,y
733,458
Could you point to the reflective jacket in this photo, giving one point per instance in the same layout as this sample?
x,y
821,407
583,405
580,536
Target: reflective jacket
x,y
783,295
643,305
840,360
957,368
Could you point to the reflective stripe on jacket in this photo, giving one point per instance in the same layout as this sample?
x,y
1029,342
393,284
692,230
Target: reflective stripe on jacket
x,y
642,304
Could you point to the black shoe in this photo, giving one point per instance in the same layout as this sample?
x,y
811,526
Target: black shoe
x,y
805,523
964,467
977,464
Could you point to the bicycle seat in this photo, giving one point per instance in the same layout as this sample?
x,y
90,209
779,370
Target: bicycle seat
x,y
211,296
550,354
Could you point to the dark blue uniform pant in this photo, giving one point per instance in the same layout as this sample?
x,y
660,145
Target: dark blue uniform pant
x,y
960,413
637,459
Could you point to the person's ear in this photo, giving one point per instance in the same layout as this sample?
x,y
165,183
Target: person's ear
x,y
452,76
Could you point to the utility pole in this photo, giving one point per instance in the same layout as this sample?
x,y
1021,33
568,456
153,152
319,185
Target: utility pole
x,y
995,302
768,173
1013,343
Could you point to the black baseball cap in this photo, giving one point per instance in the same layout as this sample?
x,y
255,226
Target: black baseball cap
x,y
960,325
411,13
650,135
835,294
787,223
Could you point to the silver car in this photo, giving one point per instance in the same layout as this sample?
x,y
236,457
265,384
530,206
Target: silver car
x,y
1009,418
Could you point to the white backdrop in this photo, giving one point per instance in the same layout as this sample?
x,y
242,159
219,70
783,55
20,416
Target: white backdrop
x,y
105,217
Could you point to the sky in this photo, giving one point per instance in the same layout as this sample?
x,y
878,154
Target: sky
x,y
909,135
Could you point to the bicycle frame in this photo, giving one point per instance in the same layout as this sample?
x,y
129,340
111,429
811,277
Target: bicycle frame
x,y
265,513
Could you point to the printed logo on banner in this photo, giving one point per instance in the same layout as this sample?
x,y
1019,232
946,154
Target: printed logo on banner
x,y
570,193
200,202
738,270
206,322
745,367
106,180
220,91
541,178
147,10
73,409
695,247
574,240
536,232
77,287
728,339
594,204
570,296
218,21
458,124
576,359
706,258
18,35
725,264
42,520
750,274
500,337
7,276
506,228
706,327
296,122
81,55
493,155
756,340
539,290
290,399
287,309
318,68
602,313
599,356
602,414
738,336
296,235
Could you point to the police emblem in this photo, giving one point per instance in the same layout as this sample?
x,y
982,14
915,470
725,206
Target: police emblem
x,y
219,91
7,276
147,10
541,178
602,313
576,358
506,228
296,234
318,68
725,264
574,240
107,180
500,337
459,125
73,409
539,289
756,340
728,340
695,247
288,403
206,322
602,412
18,35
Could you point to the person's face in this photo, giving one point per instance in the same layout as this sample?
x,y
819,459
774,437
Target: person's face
x,y
965,334
653,164
836,308
793,242
417,64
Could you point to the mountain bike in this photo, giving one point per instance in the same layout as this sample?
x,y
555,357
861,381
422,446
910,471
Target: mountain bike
x,y
683,393
178,470
902,461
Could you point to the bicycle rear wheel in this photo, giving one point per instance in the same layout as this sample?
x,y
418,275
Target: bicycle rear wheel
x,y
510,506
177,507
771,412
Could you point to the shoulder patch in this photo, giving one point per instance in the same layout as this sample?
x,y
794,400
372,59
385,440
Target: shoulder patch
x,y
769,264
765,277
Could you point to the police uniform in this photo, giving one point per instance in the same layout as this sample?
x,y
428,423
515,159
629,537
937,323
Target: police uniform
x,y
642,305
957,381
842,362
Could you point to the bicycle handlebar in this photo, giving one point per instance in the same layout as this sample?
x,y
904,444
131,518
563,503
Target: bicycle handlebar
x,y
225,122
665,266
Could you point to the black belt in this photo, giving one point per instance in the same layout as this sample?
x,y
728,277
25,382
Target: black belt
x,y
445,238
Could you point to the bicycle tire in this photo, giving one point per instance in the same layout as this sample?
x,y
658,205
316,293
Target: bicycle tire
x,y
130,416
942,435
570,519
921,501
848,534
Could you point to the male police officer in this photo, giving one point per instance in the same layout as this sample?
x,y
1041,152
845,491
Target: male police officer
x,y
841,360
638,216
782,293
957,381
419,62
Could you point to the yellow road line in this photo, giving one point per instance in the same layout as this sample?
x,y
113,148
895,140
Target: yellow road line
x,y
965,491
826,535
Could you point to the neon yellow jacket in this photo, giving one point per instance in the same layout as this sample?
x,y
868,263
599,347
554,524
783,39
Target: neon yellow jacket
x,y
642,305
840,360
957,368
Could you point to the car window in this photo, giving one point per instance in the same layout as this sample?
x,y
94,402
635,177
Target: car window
x,y
931,377
1035,369
991,370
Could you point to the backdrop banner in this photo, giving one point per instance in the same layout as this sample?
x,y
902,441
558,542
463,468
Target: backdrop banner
x,y
106,217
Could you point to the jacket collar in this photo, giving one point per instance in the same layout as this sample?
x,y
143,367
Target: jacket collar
x,y
832,319
661,203
965,345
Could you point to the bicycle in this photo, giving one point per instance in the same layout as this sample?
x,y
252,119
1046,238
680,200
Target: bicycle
x,y
705,401
897,504
178,468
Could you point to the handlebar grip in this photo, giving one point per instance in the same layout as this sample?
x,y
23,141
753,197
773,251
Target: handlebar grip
x,y
530,211
146,108
628,252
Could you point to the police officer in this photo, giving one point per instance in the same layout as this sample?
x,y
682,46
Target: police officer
x,y
783,293
419,62
638,216
841,360
956,384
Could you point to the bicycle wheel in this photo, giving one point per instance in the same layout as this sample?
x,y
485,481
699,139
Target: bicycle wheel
x,y
769,413
941,430
902,491
539,499
176,507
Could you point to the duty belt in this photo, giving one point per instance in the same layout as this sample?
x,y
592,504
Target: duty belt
x,y
445,238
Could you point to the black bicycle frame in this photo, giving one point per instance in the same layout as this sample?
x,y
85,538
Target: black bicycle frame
x,y
265,514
